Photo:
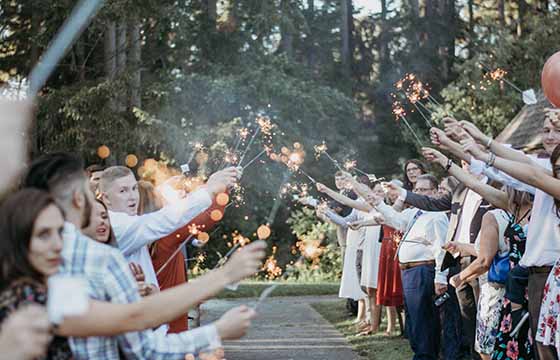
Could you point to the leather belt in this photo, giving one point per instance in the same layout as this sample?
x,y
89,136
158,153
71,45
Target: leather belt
x,y
539,269
409,265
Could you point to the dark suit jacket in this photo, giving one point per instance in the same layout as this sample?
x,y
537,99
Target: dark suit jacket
x,y
454,204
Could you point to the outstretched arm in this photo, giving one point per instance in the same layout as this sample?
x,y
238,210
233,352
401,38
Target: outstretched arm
x,y
109,319
527,172
494,196
356,204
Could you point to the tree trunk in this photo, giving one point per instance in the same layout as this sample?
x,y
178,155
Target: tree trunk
x,y
502,12
80,60
346,35
212,8
471,28
450,43
110,50
286,29
110,56
384,55
122,49
135,61
521,11
310,41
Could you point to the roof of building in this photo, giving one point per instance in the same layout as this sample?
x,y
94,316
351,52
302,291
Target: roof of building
x,y
524,131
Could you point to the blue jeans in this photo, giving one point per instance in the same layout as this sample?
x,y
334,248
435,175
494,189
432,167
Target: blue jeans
x,y
421,316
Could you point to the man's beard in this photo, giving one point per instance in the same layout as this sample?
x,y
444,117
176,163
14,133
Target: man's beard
x,y
86,214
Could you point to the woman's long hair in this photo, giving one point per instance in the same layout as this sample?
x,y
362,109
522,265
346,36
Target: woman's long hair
x,y
408,185
149,202
112,238
18,214
149,199
553,159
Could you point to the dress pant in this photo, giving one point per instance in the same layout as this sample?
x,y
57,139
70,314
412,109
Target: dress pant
x,y
537,280
451,324
467,294
421,315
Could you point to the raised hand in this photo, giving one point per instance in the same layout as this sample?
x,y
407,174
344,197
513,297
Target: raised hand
x,y
553,115
393,190
434,156
471,147
245,262
219,181
137,272
321,188
475,132
356,225
235,323
373,199
439,138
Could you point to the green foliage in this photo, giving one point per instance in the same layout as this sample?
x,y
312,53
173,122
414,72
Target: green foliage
x,y
327,266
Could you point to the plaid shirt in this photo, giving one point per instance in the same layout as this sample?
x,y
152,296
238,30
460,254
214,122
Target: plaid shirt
x,y
110,279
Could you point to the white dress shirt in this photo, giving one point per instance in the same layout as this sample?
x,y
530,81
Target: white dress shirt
x,y
424,240
543,235
134,233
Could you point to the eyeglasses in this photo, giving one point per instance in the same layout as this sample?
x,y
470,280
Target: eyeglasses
x,y
422,190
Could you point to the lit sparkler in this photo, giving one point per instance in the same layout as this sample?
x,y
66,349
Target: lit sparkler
x,y
322,149
400,113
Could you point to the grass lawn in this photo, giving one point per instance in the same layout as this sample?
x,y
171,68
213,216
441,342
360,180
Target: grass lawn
x,y
377,347
253,289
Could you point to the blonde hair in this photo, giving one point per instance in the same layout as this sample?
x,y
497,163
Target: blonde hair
x,y
111,174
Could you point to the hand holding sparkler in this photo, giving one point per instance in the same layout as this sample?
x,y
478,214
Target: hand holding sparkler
x,y
245,262
434,156
393,190
475,132
453,129
440,139
471,147
235,323
221,180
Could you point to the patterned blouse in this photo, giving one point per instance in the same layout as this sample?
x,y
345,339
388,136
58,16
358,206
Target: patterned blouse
x,y
26,291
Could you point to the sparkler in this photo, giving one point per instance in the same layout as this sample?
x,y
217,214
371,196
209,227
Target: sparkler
x,y
78,20
254,159
400,113
499,74
322,149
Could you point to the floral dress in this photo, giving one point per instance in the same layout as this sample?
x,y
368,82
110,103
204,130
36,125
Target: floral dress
x,y
547,331
24,292
519,345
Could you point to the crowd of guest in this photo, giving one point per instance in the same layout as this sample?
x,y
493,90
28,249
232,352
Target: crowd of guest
x,y
92,267
472,261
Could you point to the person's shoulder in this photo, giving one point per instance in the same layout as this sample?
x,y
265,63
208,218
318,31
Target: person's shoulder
x,y
23,291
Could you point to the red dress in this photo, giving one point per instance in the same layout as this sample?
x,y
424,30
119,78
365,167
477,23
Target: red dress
x,y
175,272
389,285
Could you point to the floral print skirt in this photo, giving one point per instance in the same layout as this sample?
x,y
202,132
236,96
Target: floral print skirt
x,y
547,331
507,346
488,317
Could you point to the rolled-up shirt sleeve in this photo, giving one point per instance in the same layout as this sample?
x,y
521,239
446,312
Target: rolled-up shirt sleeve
x,y
397,220
437,231
134,232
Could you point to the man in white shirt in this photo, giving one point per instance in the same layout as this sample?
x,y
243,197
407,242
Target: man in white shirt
x,y
133,232
420,256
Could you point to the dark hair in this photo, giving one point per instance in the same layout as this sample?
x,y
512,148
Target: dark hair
x,y
553,159
407,184
431,178
18,214
112,238
94,168
54,172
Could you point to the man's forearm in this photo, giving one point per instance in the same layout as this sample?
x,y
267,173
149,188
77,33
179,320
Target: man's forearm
x,y
109,319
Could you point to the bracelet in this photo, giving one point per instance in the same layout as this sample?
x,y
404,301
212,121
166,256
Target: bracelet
x,y
491,160
449,164
489,143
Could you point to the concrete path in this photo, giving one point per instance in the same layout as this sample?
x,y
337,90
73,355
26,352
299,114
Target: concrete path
x,y
287,328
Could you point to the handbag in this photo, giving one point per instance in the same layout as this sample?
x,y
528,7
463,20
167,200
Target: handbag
x,y
499,269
